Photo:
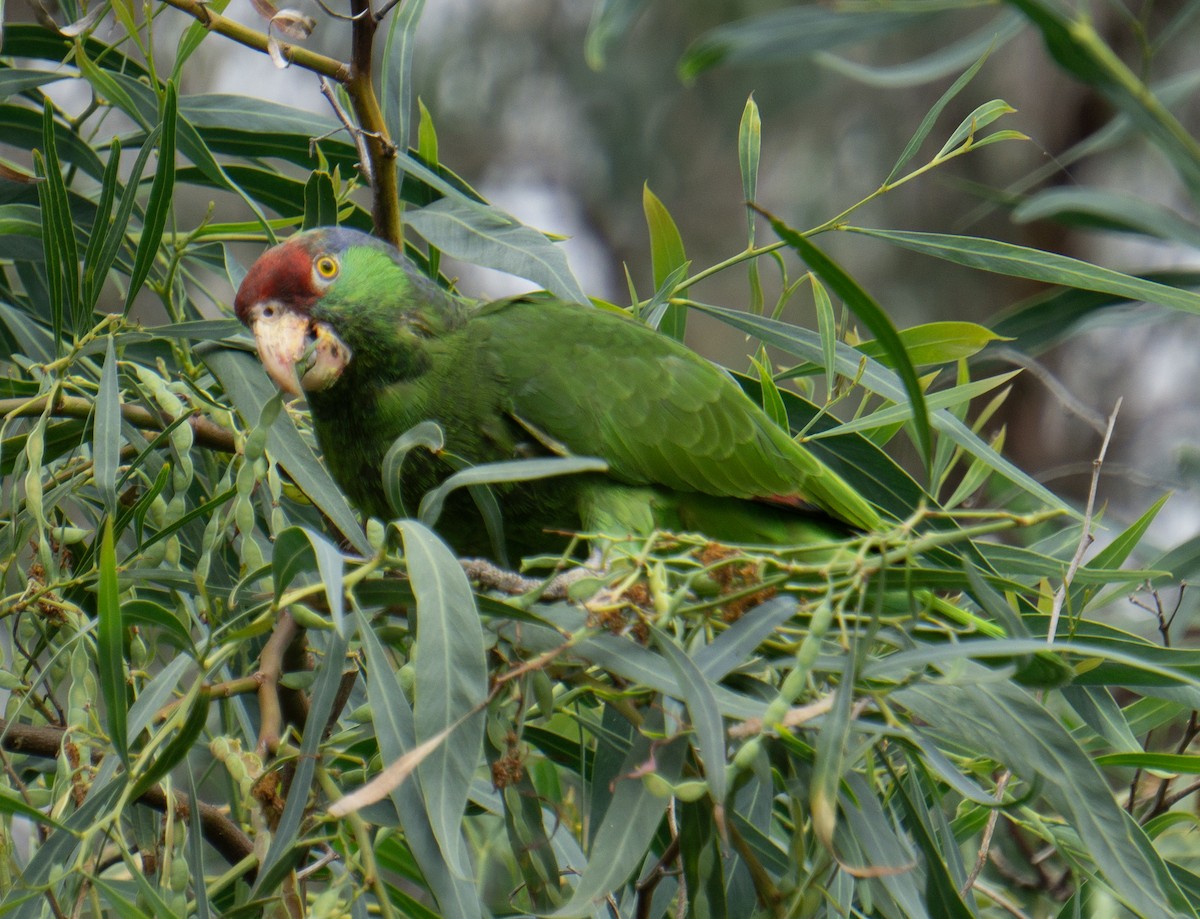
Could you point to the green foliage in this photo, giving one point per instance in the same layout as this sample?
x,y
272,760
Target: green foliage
x,y
226,693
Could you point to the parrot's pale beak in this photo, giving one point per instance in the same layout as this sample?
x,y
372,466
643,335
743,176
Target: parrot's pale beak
x,y
298,352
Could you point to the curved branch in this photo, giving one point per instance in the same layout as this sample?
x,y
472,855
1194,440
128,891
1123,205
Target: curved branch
x,y
205,432
219,831
251,38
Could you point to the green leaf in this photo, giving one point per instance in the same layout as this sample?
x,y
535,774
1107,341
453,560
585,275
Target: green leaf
x,y
189,41
1002,722
392,720
395,77
827,327
876,320
112,235
630,819
1036,265
703,711
749,151
296,550
483,235
320,202
788,34
427,141
1073,41
159,202
1101,209
110,644
936,343
58,230
611,20
807,345
106,431
946,59
523,470
931,117
179,746
451,683
666,256
968,130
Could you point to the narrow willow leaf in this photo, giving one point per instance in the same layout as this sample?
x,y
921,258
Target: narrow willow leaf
x,y
611,19
58,230
395,77
788,34
703,711
320,202
876,320
523,470
392,720
749,151
451,683
297,548
943,399
110,89
12,805
1073,41
1021,262
931,117
110,644
827,327
104,206
947,59
772,401
936,343
483,235
666,256
113,234
106,431
1002,722
427,140
179,746
159,202
630,820
191,38
1098,208
980,118
736,645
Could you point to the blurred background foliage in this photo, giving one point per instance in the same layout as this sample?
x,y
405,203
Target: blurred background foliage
x,y
192,613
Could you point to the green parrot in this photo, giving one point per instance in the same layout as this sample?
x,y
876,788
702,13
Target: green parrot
x,y
376,348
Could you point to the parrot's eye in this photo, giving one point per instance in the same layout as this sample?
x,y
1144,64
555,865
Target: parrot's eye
x,y
327,267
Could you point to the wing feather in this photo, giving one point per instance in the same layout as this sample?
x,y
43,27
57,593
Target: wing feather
x,y
655,411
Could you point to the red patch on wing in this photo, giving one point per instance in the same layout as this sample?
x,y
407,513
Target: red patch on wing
x,y
282,273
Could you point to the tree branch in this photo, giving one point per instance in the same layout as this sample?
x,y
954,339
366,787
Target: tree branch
x,y
219,831
205,432
244,35
380,164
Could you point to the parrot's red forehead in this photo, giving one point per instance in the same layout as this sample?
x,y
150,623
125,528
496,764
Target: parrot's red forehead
x,y
282,273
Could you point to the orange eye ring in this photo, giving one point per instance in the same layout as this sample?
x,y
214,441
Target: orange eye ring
x,y
327,267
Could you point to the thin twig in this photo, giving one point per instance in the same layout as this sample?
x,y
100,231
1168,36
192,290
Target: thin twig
x,y
355,132
252,38
988,831
1085,538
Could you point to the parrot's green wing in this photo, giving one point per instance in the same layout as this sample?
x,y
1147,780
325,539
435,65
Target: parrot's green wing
x,y
655,411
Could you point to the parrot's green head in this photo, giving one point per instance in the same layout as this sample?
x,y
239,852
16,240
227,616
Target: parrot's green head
x,y
332,299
